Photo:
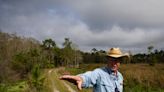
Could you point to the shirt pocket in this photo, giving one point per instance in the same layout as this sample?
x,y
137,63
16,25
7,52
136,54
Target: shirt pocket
x,y
107,85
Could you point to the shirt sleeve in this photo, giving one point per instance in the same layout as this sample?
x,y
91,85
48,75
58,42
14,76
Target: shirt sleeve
x,y
89,78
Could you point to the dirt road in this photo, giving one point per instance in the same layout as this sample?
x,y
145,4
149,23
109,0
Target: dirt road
x,y
56,84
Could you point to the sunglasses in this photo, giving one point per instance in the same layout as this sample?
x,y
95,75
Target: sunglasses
x,y
115,59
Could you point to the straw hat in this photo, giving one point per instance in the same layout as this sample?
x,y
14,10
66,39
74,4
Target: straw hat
x,y
116,53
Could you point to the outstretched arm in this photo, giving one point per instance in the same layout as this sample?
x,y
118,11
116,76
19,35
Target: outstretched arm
x,y
84,80
74,79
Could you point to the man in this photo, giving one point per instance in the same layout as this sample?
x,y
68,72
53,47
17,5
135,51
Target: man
x,y
105,79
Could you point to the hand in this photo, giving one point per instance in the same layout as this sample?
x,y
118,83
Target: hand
x,y
77,80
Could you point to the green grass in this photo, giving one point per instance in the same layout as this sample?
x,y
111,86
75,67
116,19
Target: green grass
x,y
3,88
141,88
58,83
18,87
83,90
53,81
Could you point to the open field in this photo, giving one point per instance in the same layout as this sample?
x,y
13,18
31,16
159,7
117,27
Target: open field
x,y
137,77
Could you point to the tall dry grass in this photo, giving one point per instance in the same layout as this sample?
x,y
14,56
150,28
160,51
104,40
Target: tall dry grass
x,y
143,74
137,77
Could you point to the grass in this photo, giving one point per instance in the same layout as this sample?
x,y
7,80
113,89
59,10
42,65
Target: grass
x,y
143,74
18,87
53,82
137,77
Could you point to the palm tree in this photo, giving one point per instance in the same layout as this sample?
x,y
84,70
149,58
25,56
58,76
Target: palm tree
x,y
67,43
49,43
94,50
151,56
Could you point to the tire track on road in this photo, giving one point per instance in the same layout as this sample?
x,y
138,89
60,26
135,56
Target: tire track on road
x,y
52,82
55,71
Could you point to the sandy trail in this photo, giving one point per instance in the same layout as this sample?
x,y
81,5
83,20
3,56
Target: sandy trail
x,y
54,71
52,82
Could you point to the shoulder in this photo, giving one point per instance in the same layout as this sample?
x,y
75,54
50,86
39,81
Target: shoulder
x,y
95,72
100,71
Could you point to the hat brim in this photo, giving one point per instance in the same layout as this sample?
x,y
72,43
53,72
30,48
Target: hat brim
x,y
119,56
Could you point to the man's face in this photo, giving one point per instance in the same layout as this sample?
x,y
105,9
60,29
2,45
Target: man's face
x,y
114,63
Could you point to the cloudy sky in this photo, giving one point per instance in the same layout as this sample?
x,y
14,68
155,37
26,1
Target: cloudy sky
x,y
129,24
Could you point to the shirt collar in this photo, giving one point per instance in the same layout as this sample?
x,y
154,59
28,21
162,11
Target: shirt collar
x,y
110,71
